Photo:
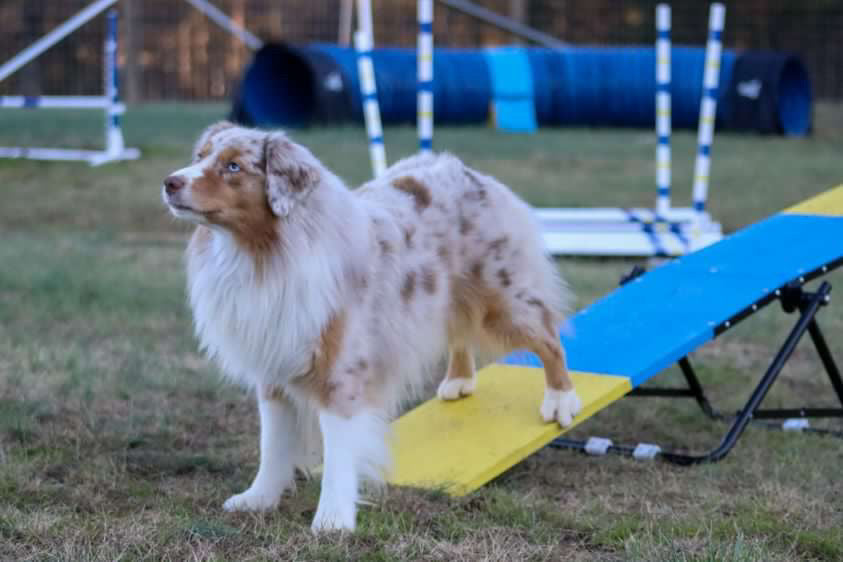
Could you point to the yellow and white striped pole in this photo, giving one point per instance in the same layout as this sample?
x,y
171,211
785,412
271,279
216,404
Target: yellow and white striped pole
x,y
371,110
708,108
424,65
663,110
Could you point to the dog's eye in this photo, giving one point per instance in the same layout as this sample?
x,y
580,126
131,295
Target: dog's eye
x,y
233,167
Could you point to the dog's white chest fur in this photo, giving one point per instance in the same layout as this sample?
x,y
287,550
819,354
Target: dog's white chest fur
x,y
260,325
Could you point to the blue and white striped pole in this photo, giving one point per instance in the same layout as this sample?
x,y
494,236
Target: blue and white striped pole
x,y
424,65
663,110
371,110
708,108
113,134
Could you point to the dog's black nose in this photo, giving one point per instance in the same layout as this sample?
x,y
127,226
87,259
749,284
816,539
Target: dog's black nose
x,y
173,184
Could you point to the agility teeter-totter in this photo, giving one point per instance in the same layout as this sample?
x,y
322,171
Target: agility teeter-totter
x,y
651,322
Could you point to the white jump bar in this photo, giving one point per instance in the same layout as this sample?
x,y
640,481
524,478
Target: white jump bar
x,y
59,102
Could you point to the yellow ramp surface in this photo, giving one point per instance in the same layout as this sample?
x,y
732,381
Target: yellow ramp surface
x,y
458,446
828,203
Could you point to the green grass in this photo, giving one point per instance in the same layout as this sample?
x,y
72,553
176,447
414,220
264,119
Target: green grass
x,y
119,441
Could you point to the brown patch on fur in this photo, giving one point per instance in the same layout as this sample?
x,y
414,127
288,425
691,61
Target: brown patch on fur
x,y
205,150
386,247
478,194
428,276
281,159
318,381
359,280
459,364
444,253
273,393
238,204
474,301
477,270
362,364
497,246
416,189
465,225
547,316
409,232
409,286
505,278
204,141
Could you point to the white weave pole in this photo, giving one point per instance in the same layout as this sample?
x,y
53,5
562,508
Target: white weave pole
x,y
424,65
663,110
371,110
708,108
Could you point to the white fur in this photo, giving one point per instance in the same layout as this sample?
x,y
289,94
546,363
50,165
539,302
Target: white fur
x,y
453,388
354,449
560,405
263,325
277,455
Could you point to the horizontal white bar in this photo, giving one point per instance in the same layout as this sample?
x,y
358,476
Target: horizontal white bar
x,y
610,214
58,102
113,156
619,244
68,154
686,229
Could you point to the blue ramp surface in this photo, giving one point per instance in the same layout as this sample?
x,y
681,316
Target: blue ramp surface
x,y
647,325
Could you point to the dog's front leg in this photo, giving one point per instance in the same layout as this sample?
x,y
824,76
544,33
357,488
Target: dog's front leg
x,y
354,448
277,450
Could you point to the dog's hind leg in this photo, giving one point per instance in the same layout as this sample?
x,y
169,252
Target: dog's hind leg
x,y
460,379
278,446
560,402
526,322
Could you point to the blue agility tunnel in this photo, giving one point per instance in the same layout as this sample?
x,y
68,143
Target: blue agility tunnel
x,y
291,86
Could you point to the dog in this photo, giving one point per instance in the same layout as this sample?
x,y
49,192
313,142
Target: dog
x,y
333,304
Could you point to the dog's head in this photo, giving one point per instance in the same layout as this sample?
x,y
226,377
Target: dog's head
x,y
241,179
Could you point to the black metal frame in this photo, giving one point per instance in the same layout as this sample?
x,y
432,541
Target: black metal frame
x,y
793,298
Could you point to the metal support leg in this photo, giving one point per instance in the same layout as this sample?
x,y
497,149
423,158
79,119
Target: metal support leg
x,y
808,309
825,356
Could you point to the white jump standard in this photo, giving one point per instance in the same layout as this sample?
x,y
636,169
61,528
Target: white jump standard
x,y
115,148
663,109
708,108
665,230
424,65
369,94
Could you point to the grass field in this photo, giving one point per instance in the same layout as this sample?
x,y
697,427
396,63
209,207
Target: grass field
x,y
118,440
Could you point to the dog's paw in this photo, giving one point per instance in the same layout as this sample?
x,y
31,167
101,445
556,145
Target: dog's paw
x,y
252,500
452,388
560,406
334,518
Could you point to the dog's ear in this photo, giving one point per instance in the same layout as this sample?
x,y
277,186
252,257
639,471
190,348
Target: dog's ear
x,y
208,133
291,173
